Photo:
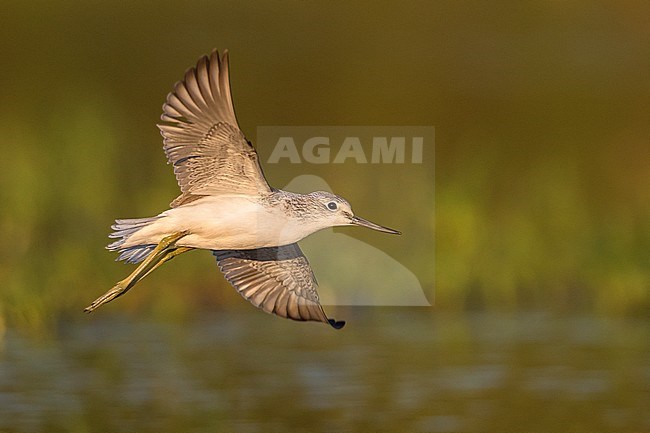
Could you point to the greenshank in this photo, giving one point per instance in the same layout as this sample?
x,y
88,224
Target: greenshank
x,y
227,206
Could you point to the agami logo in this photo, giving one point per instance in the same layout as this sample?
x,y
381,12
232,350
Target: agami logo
x,y
341,144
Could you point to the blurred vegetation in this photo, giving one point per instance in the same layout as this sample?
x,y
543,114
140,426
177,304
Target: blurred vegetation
x,y
542,176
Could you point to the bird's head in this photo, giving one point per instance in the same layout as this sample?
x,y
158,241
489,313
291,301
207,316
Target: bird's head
x,y
336,211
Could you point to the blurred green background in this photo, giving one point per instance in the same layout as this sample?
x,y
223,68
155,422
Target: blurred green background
x,y
542,176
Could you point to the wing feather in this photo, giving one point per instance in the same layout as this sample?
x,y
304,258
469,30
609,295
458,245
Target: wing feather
x,y
202,139
278,280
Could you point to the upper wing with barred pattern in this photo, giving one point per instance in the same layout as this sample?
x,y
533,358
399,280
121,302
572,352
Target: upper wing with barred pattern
x,y
202,140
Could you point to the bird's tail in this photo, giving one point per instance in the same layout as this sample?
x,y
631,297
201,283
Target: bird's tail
x,y
124,229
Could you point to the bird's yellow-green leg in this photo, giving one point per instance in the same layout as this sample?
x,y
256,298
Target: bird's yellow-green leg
x,y
164,251
167,257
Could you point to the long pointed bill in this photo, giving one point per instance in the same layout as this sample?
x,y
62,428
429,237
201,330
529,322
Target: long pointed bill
x,y
365,223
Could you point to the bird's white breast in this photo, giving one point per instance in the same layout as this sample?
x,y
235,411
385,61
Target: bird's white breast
x,y
228,222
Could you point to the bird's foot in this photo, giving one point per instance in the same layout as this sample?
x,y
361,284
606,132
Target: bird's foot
x,y
117,290
164,251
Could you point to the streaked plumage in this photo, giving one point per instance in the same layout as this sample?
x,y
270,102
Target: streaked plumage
x,y
227,206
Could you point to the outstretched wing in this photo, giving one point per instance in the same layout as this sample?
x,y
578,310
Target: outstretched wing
x,y
278,280
202,140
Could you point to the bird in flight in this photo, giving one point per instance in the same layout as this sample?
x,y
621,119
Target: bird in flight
x,y
227,206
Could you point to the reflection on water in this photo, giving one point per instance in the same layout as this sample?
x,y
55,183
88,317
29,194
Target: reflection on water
x,y
390,369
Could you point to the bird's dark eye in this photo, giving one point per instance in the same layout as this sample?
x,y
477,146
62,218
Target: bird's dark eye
x,y
332,205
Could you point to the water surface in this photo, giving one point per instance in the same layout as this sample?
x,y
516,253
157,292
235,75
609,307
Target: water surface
x,y
390,369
